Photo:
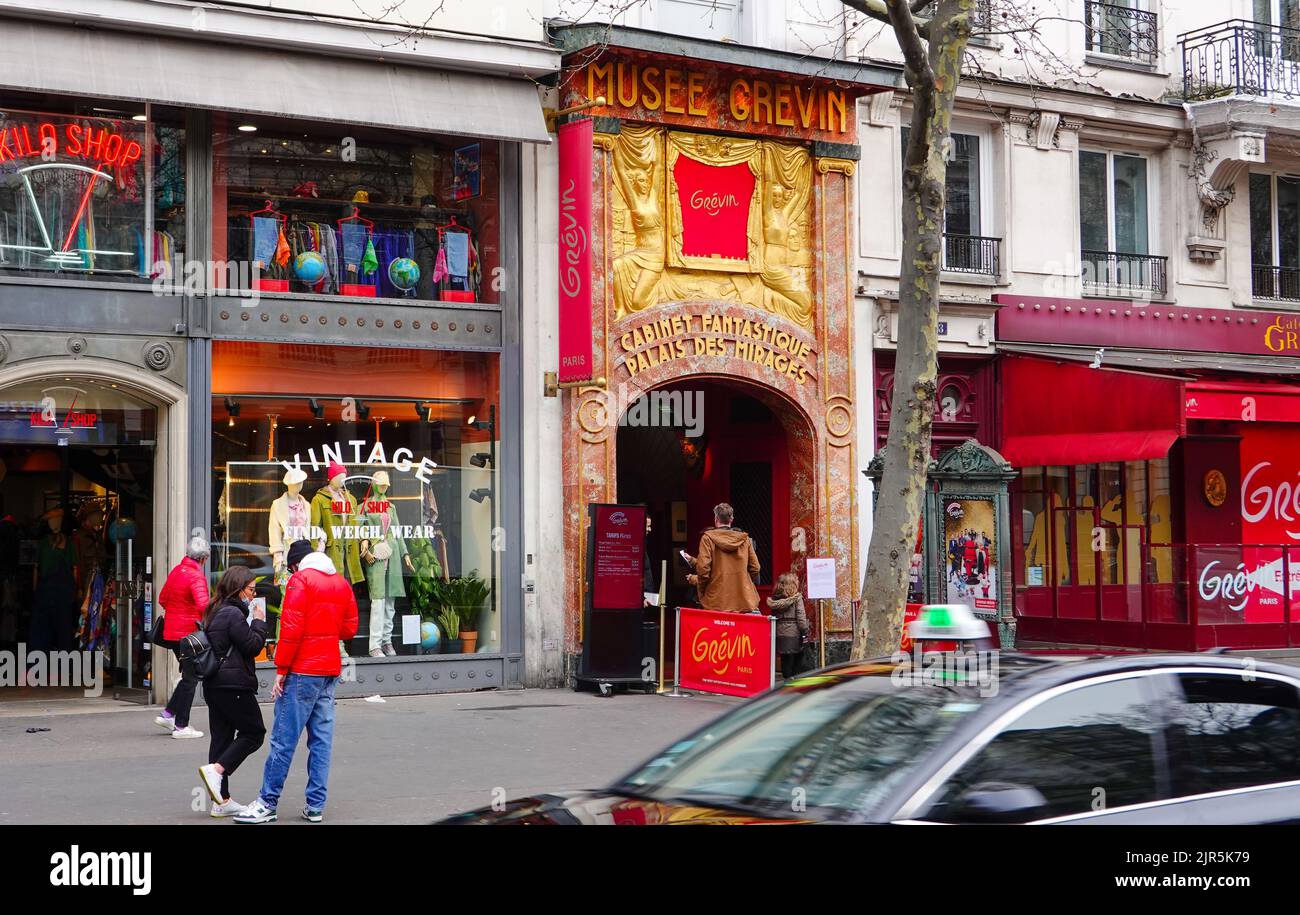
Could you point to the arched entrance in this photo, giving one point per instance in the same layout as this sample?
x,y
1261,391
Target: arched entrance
x,y
92,492
690,444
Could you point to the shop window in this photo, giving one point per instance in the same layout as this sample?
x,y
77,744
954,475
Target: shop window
x,y
355,212
77,179
413,524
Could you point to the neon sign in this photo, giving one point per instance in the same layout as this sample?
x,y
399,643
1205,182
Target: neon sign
x,y
73,419
83,141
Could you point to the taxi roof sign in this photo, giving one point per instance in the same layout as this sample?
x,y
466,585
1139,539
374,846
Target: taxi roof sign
x,y
948,621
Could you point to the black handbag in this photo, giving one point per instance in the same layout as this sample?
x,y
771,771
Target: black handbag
x,y
156,631
196,650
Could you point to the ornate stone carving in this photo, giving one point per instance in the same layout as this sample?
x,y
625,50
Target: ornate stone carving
x,y
1213,199
828,164
971,459
158,356
77,346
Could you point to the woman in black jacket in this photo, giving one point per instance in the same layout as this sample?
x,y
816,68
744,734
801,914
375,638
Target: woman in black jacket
x,y
234,718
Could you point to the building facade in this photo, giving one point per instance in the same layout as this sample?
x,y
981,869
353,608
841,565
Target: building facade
x,y
223,278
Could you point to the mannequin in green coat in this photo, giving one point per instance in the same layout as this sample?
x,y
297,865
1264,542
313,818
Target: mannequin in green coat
x,y
344,553
386,558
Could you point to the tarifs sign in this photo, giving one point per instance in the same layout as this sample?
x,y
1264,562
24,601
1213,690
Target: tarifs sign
x,y
652,342
645,88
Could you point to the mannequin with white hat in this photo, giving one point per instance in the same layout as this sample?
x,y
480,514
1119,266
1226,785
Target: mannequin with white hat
x,y
384,556
289,521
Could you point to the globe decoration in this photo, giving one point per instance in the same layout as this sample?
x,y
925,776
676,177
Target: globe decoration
x,y
429,635
404,273
309,267
121,530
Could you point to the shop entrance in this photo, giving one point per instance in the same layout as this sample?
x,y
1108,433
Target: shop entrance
x,y
741,455
76,534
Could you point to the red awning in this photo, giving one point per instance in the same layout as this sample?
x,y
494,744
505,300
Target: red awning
x,y
1057,413
1242,401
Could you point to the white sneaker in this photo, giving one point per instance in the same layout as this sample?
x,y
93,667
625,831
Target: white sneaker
x,y
377,653
230,808
186,733
256,812
166,722
212,781
390,650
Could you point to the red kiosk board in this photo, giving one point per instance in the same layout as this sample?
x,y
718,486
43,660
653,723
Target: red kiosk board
x,y
616,635
729,653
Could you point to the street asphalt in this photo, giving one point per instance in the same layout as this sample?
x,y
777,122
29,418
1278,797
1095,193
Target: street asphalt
x,y
409,759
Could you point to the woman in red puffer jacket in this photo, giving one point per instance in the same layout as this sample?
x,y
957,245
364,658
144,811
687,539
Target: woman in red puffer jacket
x,y
183,599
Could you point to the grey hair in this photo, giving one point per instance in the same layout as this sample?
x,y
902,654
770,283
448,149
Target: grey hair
x,y
198,549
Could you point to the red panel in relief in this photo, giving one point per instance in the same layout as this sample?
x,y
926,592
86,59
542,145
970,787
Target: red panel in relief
x,y
715,203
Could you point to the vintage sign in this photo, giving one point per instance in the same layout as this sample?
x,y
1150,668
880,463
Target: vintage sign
x,y
665,339
663,90
403,459
728,653
618,545
575,265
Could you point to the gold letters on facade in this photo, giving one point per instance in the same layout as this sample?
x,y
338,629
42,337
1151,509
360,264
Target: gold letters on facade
x,y
649,266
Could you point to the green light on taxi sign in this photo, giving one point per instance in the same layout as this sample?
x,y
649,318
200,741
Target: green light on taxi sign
x,y
938,617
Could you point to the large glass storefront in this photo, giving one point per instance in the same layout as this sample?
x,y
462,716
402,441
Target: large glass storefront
x,y
385,459
356,212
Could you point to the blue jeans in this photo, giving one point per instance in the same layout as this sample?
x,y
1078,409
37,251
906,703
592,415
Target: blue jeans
x,y
307,702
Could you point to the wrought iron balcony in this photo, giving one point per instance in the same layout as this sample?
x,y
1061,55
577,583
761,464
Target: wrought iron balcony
x,y
1269,282
976,254
981,19
1121,31
1239,57
1125,275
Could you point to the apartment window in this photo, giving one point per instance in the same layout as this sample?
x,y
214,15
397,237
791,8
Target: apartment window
x,y
1275,236
966,247
715,20
1114,223
1122,28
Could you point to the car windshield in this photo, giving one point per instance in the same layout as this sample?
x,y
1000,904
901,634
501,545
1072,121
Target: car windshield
x,y
819,748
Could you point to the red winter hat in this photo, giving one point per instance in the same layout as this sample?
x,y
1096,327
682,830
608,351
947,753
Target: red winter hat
x,y
335,469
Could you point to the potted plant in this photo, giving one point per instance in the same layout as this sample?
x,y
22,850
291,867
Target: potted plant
x,y
422,590
449,620
466,595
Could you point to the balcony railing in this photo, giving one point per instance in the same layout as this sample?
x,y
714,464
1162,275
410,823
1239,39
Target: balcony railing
x,y
976,254
1127,275
1121,31
1269,282
1239,57
981,19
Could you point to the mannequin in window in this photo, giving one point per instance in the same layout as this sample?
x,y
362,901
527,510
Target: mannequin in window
x,y
1085,559
385,557
55,585
332,509
1038,553
290,514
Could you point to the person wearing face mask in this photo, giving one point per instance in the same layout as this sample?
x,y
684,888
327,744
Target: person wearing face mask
x,y
289,521
333,508
385,557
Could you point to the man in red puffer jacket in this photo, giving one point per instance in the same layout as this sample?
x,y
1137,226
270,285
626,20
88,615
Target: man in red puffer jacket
x,y
318,610
183,599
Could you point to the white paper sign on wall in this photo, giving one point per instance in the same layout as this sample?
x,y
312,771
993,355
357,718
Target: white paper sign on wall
x,y
821,579
411,629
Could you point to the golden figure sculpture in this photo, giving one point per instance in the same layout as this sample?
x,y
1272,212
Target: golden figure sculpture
x,y
649,267
638,169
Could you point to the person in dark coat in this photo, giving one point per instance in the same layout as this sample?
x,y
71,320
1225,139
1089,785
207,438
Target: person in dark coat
x,y
786,604
236,635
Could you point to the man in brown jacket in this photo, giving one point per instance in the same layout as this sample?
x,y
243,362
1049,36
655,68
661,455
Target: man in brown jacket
x,y
726,566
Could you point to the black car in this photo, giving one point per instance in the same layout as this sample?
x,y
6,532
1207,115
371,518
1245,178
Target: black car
x,y
976,738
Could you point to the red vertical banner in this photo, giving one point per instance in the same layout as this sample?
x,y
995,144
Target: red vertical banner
x,y
575,142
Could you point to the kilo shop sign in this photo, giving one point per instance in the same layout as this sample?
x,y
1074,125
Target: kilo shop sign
x,y
728,653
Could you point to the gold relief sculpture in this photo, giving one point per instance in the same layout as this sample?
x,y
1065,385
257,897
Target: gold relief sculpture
x,y
638,170
649,267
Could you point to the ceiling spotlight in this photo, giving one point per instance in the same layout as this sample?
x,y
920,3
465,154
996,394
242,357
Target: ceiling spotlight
x,y
482,459
232,406
363,410
248,128
139,117
479,495
317,408
479,424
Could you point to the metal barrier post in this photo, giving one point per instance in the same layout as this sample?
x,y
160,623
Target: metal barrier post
x,y
677,661
821,624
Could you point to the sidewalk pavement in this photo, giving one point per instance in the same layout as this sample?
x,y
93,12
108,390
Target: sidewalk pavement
x,y
410,759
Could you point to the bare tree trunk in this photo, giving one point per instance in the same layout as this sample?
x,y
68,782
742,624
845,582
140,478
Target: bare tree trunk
x,y
933,73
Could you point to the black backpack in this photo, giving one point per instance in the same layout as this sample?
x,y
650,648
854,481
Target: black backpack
x,y
197,651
